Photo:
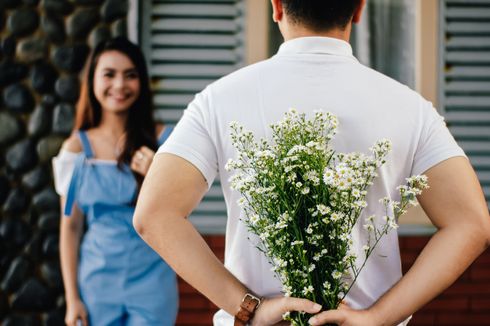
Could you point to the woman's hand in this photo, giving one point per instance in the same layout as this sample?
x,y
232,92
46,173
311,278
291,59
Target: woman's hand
x,y
141,160
76,311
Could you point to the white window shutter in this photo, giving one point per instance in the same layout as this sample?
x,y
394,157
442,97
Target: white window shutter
x,y
465,79
188,45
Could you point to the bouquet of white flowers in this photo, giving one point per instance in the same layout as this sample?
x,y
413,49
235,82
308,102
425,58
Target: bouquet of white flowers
x,y
302,199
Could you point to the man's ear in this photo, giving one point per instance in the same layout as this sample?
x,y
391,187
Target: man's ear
x,y
277,10
356,18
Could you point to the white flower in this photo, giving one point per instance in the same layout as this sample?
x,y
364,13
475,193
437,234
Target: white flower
x,y
322,209
254,219
328,177
336,275
392,224
308,289
309,229
368,227
344,237
327,285
385,201
241,201
229,165
356,193
280,262
336,216
281,224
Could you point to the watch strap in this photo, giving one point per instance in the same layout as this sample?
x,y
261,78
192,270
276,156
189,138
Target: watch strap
x,y
249,304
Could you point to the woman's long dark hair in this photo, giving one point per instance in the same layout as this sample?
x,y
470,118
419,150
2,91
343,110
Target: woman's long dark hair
x,y
140,126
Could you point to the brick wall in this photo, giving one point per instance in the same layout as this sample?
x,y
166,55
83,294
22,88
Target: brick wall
x,y
467,302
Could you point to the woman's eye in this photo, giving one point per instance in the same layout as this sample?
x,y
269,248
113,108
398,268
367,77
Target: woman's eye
x,y
109,75
132,75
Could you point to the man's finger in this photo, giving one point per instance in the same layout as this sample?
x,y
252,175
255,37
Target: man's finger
x,y
296,304
331,316
344,306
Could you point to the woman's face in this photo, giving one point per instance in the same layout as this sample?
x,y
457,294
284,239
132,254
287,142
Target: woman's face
x,y
116,82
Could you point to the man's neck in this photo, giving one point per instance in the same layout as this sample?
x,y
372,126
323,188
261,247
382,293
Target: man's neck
x,y
299,31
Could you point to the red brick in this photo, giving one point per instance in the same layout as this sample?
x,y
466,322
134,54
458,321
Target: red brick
x,y
463,319
416,243
190,302
184,287
469,289
195,318
479,273
465,277
423,319
484,258
480,305
216,241
408,257
454,304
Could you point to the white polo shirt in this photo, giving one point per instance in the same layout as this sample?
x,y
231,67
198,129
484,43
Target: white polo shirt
x,y
308,74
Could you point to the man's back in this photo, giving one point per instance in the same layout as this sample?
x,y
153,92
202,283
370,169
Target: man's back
x,y
314,70
311,74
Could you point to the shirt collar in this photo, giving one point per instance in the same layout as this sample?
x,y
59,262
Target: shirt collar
x,y
316,45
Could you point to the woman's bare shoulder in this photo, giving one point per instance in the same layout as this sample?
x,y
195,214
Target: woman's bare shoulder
x,y
159,127
72,144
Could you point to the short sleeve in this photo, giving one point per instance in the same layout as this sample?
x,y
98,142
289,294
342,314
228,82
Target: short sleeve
x,y
191,139
63,166
436,144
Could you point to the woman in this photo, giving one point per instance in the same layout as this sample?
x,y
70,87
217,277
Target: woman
x,y
111,276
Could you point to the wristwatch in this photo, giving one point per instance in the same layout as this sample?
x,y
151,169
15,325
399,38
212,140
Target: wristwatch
x,y
249,304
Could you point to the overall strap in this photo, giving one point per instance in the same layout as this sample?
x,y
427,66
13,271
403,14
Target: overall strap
x,y
164,135
72,189
87,149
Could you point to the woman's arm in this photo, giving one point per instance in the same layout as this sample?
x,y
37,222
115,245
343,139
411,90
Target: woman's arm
x,y
71,229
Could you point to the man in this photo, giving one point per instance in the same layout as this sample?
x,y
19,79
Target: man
x,y
314,69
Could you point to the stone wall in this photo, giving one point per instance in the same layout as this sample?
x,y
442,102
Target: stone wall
x,y
43,47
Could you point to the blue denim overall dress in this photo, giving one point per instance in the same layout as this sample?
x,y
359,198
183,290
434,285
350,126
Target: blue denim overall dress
x,y
122,281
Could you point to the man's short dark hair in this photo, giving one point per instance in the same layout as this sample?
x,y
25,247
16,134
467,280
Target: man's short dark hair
x,y
321,15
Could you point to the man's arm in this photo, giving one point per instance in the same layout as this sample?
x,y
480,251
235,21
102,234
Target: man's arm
x,y
172,188
456,206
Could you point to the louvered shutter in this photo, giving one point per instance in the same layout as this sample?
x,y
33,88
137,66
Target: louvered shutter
x,y
465,79
188,45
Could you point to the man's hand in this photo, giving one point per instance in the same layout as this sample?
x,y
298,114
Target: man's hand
x,y
271,310
345,316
